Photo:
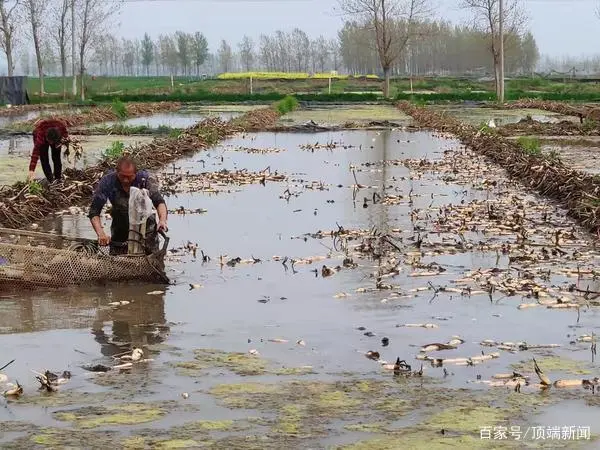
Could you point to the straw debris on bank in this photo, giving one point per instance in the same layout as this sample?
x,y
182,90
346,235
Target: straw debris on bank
x,y
99,114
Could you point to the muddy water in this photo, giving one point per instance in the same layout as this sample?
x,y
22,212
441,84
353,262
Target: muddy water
x,y
342,114
188,116
321,394
476,116
16,151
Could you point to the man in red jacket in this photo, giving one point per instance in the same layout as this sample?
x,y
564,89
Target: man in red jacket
x,y
48,134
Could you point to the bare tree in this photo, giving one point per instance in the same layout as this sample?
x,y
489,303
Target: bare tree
x,y
183,41
93,18
321,53
246,48
59,30
383,17
225,56
486,15
8,19
199,49
35,11
147,53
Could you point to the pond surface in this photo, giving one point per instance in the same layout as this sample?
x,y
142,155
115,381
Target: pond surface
x,y
341,114
476,116
271,354
16,151
188,116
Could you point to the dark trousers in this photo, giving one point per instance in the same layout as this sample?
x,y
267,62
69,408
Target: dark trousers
x,y
56,161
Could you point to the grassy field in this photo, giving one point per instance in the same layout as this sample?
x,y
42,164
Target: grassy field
x,y
100,89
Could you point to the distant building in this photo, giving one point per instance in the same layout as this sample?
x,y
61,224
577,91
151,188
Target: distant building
x,y
13,91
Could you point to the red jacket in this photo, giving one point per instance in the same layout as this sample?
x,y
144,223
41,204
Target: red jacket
x,y
39,138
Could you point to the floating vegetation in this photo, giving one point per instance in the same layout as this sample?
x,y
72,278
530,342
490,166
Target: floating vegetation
x,y
576,191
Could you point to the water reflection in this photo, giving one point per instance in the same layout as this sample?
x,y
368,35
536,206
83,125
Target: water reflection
x,y
140,323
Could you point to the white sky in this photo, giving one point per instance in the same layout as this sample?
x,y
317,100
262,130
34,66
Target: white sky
x,y
561,27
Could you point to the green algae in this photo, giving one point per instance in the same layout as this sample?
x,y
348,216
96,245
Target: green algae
x,y
424,441
465,419
551,364
211,425
239,363
290,422
339,116
60,438
392,406
336,401
294,371
134,443
46,439
377,427
176,443
93,417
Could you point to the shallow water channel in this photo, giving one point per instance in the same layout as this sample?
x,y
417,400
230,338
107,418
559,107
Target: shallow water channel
x,y
271,354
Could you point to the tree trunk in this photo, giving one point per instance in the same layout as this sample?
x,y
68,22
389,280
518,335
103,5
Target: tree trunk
x,y
386,86
63,67
496,75
73,50
81,73
9,57
38,58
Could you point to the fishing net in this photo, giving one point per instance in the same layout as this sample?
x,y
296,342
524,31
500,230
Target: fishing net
x,y
29,259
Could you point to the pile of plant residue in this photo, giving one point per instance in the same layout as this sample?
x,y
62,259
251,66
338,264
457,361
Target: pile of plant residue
x,y
548,105
529,126
258,120
21,204
578,192
98,114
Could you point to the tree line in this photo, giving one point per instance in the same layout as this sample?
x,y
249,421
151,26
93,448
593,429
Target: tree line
x,y
447,50
399,38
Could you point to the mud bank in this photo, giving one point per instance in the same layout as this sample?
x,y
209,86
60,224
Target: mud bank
x,y
99,114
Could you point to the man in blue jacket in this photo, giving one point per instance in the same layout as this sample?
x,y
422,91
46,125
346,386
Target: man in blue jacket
x,y
115,187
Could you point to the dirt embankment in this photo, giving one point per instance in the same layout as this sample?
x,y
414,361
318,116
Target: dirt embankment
x,y
528,126
99,114
583,111
19,207
578,192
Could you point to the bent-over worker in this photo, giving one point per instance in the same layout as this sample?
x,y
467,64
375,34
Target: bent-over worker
x,y
49,134
115,187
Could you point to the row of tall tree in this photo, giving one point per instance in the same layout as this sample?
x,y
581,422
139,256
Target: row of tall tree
x,y
58,30
446,49
379,36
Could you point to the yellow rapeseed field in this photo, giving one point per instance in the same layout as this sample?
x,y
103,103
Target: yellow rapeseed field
x,y
287,76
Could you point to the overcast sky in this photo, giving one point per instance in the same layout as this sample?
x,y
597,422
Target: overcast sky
x,y
561,27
